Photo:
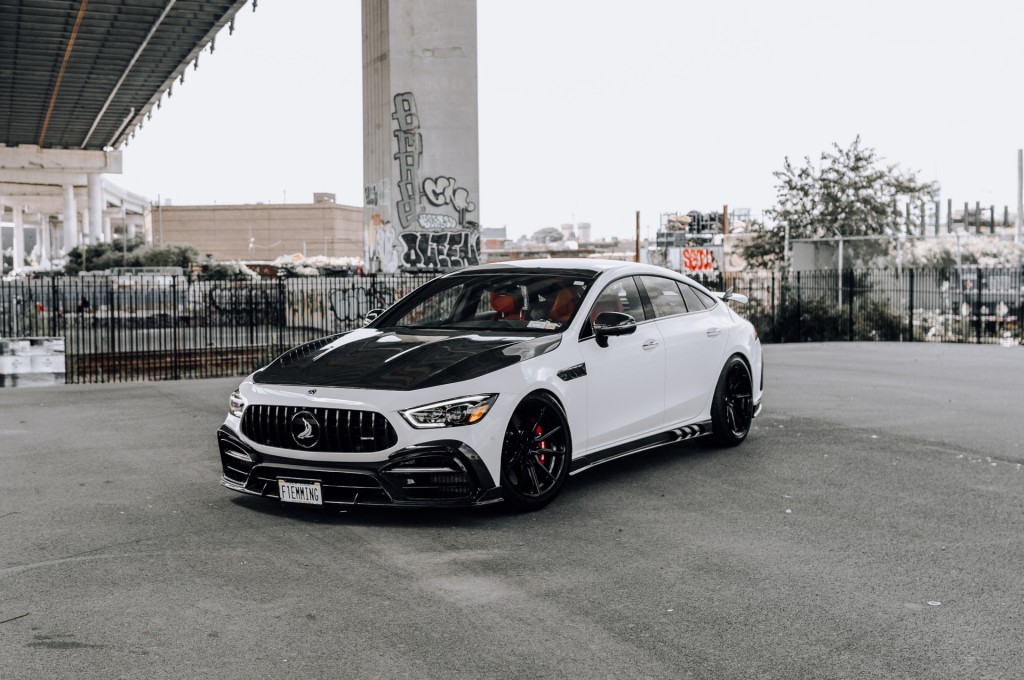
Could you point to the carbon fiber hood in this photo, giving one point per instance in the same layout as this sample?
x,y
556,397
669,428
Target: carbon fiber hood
x,y
399,360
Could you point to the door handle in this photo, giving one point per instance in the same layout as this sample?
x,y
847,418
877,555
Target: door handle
x,y
650,344
714,332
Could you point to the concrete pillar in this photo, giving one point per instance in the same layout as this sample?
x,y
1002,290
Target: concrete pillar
x,y
132,228
44,240
19,238
70,219
3,214
95,209
107,233
420,143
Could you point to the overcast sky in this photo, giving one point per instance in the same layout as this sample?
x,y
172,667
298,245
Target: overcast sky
x,y
590,111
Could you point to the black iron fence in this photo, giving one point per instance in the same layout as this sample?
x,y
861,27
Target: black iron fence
x,y
967,304
167,327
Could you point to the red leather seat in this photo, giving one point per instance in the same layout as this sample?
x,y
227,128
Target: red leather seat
x,y
564,305
506,305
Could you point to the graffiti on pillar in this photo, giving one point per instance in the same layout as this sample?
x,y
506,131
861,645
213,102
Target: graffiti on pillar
x,y
387,248
378,194
432,222
442,191
409,156
441,250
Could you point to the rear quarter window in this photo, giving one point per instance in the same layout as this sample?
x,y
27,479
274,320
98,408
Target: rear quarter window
x,y
693,301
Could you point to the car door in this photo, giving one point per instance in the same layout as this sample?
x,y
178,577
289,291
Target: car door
x,y
626,379
694,343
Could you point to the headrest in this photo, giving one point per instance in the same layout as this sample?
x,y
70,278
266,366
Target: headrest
x,y
564,305
506,303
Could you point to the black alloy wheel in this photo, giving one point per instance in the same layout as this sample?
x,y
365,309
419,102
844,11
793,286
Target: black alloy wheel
x,y
732,411
535,453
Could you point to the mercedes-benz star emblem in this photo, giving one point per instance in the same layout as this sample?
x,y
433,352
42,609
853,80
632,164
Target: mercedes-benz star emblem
x,y
305,429
311,392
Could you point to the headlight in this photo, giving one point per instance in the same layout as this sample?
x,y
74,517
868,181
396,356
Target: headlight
x,y
451,413
236,404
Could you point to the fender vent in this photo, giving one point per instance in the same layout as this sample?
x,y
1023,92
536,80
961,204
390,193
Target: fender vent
x,y
573,372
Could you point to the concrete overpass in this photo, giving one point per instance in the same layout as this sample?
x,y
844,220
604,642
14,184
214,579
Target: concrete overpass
x,y
78,78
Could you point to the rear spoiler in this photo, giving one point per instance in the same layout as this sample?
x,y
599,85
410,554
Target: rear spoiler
x,y
729,296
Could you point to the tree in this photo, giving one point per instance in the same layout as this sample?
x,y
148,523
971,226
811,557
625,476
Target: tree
x,y
548,235
134,253
850,193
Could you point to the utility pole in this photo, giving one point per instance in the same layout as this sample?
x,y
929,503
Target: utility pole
x,y
638,236
725,237
1020,193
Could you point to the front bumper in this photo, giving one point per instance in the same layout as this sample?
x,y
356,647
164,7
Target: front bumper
x,y
442,473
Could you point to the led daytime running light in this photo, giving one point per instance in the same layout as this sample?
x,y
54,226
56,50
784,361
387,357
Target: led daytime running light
x,y
451,413
236,404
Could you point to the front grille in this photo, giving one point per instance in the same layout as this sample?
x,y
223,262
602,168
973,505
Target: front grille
x,y
340,430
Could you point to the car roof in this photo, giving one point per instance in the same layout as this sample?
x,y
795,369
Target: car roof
x,y
574,265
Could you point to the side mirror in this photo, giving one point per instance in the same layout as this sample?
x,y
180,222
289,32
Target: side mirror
x,y
371,315
729,296
608,324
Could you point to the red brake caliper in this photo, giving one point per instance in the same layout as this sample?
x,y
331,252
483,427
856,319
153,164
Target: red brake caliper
x,y
543,445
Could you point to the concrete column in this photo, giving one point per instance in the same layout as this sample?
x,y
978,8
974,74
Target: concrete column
x,y
95,209
107,233
85,229
420,142
70,219
3,214
44,240
19,238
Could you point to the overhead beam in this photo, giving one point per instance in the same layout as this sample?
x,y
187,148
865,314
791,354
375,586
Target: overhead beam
x,y
48,205
32,157
54,177
8,189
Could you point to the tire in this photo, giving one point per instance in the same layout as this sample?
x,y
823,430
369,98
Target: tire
x,y
732,410
535,453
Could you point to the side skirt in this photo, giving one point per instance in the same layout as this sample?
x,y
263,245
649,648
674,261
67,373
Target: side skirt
x,y
650,442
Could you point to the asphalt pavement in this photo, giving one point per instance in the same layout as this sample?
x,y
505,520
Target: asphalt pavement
x,y
870,527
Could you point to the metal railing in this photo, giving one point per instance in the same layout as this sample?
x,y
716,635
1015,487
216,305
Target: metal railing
x,y
966,304
164,328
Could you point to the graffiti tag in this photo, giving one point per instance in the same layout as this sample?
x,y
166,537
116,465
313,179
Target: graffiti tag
x,y
444,250
409,155
698,260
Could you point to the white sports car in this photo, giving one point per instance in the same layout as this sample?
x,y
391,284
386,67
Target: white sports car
x,y
495,383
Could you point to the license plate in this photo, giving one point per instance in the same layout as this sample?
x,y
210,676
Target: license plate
x,y
298,492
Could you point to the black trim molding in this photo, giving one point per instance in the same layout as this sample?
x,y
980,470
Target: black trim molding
x,y
672,436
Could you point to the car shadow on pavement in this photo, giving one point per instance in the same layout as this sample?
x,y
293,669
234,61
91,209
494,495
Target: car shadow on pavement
x,y
365,515
640,468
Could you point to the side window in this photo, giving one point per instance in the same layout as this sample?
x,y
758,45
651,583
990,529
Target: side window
x,y
621,295
693,303
664,295
708,300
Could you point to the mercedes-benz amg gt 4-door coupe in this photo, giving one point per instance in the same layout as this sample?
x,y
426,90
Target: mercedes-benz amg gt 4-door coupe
x,y
496,383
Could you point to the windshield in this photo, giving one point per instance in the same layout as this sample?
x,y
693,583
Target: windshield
x,y
501,301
